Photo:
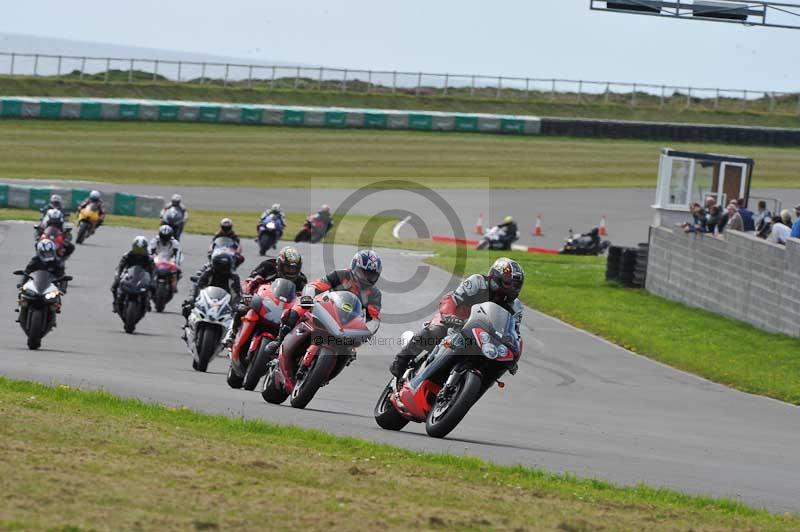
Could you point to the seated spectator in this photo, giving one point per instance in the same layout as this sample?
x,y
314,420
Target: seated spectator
x,y
735,221
698,224
796,225
780,231
763,220
747,216
714,219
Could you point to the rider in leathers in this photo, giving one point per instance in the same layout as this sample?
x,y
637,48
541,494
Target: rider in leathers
x,y
501,285
359,279
165,243
137,256
219,272
287,265
55,218
45,259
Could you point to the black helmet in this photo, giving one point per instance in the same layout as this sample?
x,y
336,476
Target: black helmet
x,y
165,233
221,263
506,278
289,263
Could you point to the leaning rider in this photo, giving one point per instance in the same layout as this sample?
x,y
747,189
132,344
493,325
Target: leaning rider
x,y
166,244
501,285
46,259
219,272
95,200
137,256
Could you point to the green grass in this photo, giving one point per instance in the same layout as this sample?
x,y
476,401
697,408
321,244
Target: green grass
x,y
356,229
511,102
260,156
733,353
81,460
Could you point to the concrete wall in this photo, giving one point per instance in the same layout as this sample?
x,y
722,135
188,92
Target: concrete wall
x,y
740,276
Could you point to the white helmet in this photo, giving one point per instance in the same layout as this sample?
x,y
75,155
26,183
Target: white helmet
x,y
94,195
46,250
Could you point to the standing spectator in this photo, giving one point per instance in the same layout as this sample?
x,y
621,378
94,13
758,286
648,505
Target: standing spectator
x,y
780,231
763,220
796,225
735,222
747,216
698,224
714,219
710,202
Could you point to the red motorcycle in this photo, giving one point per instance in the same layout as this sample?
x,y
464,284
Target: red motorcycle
x,y
249,356
317,350
314,229
441,386
166,280
58,236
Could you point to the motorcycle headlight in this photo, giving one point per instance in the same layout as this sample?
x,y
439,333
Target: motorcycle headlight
x,y
501,351
484,337
51,295
489,351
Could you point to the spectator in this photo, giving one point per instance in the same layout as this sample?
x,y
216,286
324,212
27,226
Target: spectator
x,y
714,219
735,222
746,215
786,217
780,231
763,220
698,224
796,225
710,202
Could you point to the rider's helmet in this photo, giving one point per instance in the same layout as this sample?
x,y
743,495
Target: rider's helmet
x,y
325,208
176,200
56,202
275,209
139,246
221,263
508,220
54,217
46,250
94,196
505,279
165,233
366,267
226,226
289,263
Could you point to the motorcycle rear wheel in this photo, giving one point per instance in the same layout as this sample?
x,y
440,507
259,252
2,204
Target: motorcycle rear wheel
x,y
443,418
163,293
386,415
315,377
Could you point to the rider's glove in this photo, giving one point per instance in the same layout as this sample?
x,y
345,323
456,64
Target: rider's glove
x,y
306,301
452,322
454,339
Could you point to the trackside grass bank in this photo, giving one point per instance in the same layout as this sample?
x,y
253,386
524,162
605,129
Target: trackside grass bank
x,y
82,460
729,352
261,156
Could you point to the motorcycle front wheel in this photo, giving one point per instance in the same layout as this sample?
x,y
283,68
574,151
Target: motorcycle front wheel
x,y
450,409
36,327
273,391
130,315
207,340
306,387
386,415
257,367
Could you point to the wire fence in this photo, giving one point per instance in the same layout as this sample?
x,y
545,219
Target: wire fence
x,y
422,84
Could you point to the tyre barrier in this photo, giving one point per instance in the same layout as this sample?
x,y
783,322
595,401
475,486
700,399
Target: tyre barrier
x,y
627,265
119,203
612,263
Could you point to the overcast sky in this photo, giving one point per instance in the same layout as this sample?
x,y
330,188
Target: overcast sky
x,y
537,38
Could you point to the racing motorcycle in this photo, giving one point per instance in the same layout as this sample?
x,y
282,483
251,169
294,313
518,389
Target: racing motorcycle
x,y
133,296
441,386
39,302
314,229
166,280
270,230
88,219
588,244
223,245
496,238
259,327
317,349
59,238
173,217
209,322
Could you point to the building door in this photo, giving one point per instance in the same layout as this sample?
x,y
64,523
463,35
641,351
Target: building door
x,y
732,184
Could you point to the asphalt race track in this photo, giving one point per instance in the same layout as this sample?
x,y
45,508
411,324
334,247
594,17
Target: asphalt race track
x,y
577,404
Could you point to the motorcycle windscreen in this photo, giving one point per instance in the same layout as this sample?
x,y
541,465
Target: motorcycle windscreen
x,y
135,279
173,216
284,289
496,321
39,282
223,242
164,257
334,310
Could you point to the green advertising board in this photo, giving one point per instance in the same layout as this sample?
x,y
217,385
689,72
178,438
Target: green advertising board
x,y
124,204
418,121
12,108
78,196
335,119
208,114
128,111
50,110
167,112
466,123
3,195
91,111
251,115
375,120
39,197
512,125
293,118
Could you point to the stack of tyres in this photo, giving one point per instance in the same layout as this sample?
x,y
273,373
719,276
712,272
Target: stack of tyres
x,y
627,265
640,270
613,263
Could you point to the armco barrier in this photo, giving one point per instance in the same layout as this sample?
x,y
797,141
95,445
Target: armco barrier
x,y
23,197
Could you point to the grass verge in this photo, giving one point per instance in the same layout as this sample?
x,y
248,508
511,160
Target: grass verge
x,y
730,352
648,107
77,460
233,155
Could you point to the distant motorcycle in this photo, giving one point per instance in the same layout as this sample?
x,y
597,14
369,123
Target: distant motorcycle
x,y
39,302
497,238
317,350
173,217
166,279
259,327
588,244
133,296
210,320
314,229
88,219
270,230
223,245
440,387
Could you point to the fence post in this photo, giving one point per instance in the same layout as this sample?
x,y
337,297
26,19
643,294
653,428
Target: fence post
x,y
130,72
716,100
798,103
344,81
472,87
580,90
249,76
663,94
499,85
527,88
11,68
633,95
272,80
319,83
394,82
35,65
369,81
203,73
108,67
155,70
608,89
180,70
771,102
419,84
744,99
297,78
59,67
225,79
552,89
688,97
83,67
446,82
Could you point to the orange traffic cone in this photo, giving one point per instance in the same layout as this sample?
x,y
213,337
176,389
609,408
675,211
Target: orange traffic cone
x,y
537,229
479,225
602,231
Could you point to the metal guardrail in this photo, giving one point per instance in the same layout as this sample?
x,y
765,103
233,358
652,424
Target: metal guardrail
x,y
275,77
